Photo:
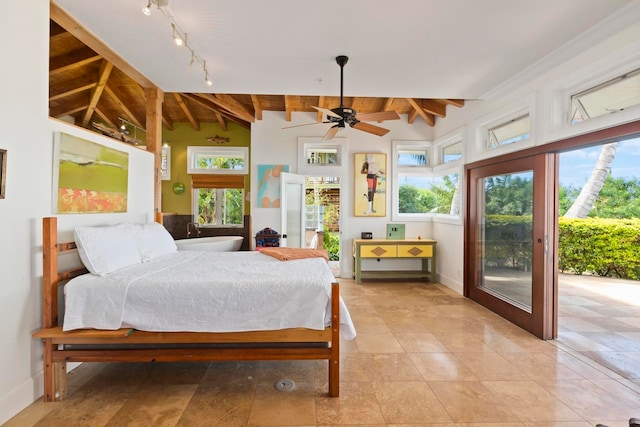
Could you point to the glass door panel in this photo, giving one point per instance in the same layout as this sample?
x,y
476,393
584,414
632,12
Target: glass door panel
x,y
505,236
508,229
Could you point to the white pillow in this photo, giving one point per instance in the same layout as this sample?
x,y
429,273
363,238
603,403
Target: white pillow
x,y
154,240
106,249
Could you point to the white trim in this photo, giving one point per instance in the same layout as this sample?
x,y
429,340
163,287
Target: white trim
x,y
194,151
501,116
307,143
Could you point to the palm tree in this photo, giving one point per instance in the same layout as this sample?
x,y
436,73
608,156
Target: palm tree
x,y
589,193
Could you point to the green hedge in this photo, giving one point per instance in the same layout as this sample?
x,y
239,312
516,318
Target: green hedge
x,y
605,247
507,241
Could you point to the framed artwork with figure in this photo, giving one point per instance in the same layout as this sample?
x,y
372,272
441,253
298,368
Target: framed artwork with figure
x,y
370,184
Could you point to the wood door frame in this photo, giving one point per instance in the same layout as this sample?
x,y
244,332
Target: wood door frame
x,y
616,133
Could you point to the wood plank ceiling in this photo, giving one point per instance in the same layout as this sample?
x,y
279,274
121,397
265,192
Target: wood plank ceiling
x,y
85,86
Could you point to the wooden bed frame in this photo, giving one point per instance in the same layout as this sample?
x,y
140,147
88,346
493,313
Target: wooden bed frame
x,y
76,346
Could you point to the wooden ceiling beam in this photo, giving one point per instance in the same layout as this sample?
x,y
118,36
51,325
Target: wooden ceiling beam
x,y
322,101
59,16
288,107
455,102
103,77
72,91
229,104
105,118
215,108
413,115
429,118
434,108
167,120
72,60
257,109
69,112
386,106
221,121
185,108
130,115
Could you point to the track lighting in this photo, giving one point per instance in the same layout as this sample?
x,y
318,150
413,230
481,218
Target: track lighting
x,y
179,37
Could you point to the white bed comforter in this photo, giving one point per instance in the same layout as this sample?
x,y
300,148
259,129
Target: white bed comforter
x,y
192,291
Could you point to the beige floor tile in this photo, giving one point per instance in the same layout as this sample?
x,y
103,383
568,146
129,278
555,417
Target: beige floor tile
x,y
89,407
153,405
32,414
471,402
275,408
531,402
357,404
419,342
390,367
441,367
541,366
378,343
409,402
223,404
489,365
456,341
590,400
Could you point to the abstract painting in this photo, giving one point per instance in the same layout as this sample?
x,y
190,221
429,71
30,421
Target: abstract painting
x,y
88,177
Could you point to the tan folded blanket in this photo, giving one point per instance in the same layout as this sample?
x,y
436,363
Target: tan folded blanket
x,y
288,254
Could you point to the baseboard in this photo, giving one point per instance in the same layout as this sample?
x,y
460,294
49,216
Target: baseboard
x,y
21,397
451,283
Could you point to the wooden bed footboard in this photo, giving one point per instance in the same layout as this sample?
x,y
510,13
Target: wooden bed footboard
x,y
130,345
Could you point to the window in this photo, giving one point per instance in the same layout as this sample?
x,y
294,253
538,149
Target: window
x,y
218,160
218,200
610,97
422,192
515,130
451,153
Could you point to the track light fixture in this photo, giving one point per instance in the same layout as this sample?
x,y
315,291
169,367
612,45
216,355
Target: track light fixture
x,y
179,36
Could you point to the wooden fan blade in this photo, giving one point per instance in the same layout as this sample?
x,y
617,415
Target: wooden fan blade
x,y
306,124
367,127
378,117
328,112
333,130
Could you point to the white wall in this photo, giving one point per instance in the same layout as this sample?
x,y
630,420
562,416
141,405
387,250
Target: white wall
x,y
270,144
27,135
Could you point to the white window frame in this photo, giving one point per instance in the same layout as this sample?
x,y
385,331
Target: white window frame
x,y
427,170
500,117
558,95
446,141
309,143
195,208
194,151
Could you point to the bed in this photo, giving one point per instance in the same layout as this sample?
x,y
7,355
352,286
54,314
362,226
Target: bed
x,y
109,317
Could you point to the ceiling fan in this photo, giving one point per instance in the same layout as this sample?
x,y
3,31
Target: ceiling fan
x,y
341,116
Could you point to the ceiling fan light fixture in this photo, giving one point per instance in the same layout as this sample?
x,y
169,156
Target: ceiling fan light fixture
x,y
147,9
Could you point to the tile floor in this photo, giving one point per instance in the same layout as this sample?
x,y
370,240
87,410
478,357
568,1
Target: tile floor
x,y
424,355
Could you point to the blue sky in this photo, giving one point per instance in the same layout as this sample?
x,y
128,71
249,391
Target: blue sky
x,y
576,166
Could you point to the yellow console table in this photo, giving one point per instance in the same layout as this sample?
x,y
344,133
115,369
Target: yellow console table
x,y
424,250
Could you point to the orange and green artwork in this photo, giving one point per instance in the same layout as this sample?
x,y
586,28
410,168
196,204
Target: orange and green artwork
x,y
91,178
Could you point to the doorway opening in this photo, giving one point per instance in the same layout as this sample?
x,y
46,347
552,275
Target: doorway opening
x,y
599,274
322,217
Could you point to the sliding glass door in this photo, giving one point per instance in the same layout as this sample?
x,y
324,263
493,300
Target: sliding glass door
x,y
509,232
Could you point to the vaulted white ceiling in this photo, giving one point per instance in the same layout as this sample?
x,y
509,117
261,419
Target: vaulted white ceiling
x,y
405,48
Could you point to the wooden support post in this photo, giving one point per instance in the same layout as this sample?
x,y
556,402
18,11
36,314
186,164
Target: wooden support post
x,y
334,361
155,97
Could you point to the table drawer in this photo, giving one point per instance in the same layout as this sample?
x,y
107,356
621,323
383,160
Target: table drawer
x,y
415,251
378,251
